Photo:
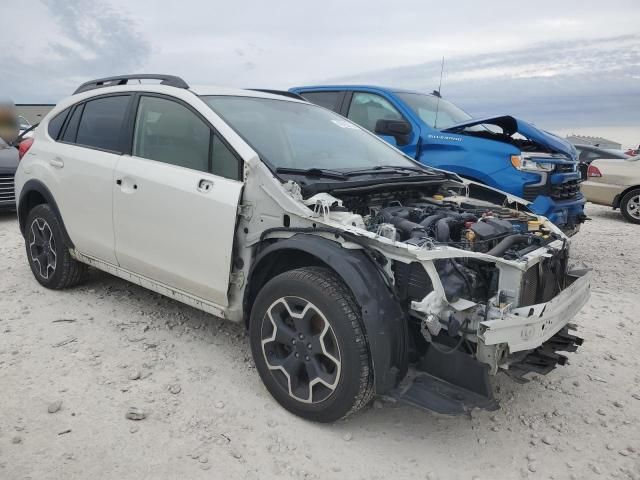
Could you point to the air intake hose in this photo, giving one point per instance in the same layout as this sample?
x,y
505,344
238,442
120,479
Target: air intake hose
x,y
506,243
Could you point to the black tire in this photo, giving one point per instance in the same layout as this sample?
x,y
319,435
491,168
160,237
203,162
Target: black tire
x,y
45,243
630,206
347,384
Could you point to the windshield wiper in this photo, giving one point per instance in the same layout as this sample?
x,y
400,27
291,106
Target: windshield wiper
x,y
390,169
313,172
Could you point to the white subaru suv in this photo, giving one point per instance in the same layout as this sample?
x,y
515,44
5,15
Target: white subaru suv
x,y
356,270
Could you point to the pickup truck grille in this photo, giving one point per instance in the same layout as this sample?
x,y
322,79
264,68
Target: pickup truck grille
x,y
565,168
530,192
7,194
564,191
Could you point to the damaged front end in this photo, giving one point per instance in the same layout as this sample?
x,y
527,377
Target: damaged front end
x,y
485,288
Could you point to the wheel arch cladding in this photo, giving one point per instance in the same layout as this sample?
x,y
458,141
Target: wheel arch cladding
x,y
35,193
383,318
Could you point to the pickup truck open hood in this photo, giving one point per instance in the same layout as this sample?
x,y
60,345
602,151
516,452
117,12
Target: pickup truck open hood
x,y
511,125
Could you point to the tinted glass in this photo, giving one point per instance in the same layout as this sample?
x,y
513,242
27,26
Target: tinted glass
x,y
72,126
55,124
434,111
225,163
367,108
324,99
300,135
102,122
169,132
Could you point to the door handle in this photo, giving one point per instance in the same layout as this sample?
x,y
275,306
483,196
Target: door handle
x,y
128,186
205,186
56,162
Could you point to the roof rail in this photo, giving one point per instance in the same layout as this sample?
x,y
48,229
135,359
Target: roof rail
x,y
170,80
284,93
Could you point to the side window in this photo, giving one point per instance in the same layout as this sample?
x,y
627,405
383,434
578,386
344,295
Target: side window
x,y
72,126
324,99
168,132
55,124
225,163
589,157
101,123
367,108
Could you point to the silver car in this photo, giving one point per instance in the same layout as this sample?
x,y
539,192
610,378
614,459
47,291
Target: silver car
x,y
8,165
9,125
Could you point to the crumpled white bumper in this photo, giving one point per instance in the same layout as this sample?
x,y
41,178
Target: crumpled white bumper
x,y
529,327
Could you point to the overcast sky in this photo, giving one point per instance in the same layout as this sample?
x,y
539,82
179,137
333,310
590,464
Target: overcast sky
x,y
565,65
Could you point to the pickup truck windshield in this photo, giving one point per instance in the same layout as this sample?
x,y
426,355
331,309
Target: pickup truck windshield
x,y
302,136
436,113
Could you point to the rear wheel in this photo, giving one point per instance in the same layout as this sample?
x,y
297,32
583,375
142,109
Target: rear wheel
x,y
47,252
630,206
309,346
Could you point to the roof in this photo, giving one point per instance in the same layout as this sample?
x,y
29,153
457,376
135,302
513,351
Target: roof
x,y
237,92
173,83
357,87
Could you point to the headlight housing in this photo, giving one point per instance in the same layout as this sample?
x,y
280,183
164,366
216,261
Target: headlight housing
x,y
523,163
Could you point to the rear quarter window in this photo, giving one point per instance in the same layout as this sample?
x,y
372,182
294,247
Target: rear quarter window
x,y
102,123
55,124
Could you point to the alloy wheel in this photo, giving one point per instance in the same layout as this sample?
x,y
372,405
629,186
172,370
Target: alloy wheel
x,y
301,349
633,206
42,248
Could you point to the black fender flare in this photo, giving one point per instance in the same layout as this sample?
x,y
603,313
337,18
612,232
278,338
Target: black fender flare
x,y
384,320
23,210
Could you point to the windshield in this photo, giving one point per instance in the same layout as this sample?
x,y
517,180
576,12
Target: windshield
x,y
434,111
298,135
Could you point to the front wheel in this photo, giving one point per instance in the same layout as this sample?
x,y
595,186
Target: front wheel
x,y
309,346
630,206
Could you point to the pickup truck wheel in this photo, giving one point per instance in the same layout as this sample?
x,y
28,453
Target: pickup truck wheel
x,y
309,346
630,206
48,255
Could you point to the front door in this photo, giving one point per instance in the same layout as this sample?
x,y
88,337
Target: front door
x,y
176,199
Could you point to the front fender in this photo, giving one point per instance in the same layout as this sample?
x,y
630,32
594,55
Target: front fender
x,y
384,320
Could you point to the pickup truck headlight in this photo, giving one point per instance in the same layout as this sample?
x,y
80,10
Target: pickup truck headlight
x,y
523,163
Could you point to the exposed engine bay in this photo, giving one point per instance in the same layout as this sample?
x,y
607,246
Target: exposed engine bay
x,y
486,285
428,220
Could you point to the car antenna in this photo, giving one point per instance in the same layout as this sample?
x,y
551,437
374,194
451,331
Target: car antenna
x,y
438,95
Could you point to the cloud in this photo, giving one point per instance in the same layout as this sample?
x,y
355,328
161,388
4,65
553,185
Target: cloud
x,y
498,55
559,85
87,40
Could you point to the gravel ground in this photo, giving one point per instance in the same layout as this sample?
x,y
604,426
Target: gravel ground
x,y
75,364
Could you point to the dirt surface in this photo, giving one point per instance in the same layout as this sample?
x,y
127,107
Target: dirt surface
x,y
108,350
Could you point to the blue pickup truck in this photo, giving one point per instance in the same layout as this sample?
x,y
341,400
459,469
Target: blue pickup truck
x,y
503,152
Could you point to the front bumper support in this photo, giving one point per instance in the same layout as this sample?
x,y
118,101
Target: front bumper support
x,y
527,328
447,383
544,358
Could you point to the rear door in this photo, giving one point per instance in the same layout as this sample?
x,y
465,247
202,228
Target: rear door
x,y
176,198
81,163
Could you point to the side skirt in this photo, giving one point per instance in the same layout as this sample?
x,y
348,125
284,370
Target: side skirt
x,y
150,284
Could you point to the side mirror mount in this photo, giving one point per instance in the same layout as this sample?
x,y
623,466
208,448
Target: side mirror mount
x,y
398,129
